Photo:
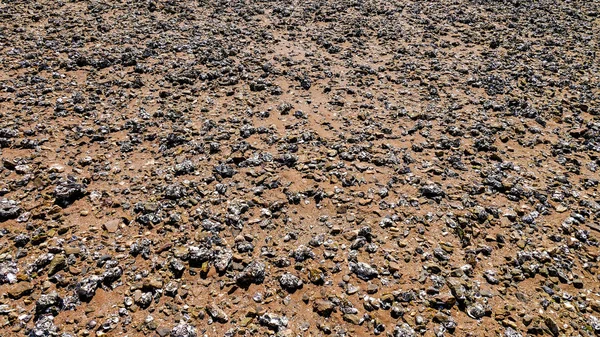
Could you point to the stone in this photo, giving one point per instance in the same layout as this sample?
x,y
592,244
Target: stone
x,y
9,209
57,264
19,290
290,282
352,319
254,272
363,270
217,313
111,226
183,330
323,307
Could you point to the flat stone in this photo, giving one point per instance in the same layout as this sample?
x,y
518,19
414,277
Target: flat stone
x,y
561,209
72,250
352,319
153,283
19,290
163,331
57,264
111,226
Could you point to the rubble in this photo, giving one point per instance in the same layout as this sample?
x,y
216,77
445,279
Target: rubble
x,y
344,168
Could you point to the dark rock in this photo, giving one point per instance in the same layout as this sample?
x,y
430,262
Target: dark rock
x,y
50,303
9,209
363,271
252,273
86,288
183,330
68,191
272,321
8,272
432,191
290,282
44,327
404,330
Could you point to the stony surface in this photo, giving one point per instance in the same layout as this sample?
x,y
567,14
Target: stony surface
x,y
306,168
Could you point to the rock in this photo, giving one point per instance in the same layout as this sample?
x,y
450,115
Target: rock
x,y
272,321
561,208
225,171
153,283
44,327
171,289
68,191
111,226
112,275
50,303
352,319
302,253
475,311
510,332
372,289
57,264
290,282
177,267
72,251
323,307
142,299
253,273
432,191
163,331
86,288
183,330
363,271
199,255
404,330
457,289
111,323
446,300
594,323
552,326
316,276
8,272
19,290
222,259
217,313
406,296
42,261
9,209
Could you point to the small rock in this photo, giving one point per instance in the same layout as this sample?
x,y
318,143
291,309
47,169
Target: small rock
x,y
272,321
217,313
290,282
9,209
182,330
363,270
47,303
68,191
552,326
352,319
404,330
19,290
57,264
253,273
111,226
323,307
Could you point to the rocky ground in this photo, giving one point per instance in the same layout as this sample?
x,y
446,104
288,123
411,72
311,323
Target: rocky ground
x,y
299,168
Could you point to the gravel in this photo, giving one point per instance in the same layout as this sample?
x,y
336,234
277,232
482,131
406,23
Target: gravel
x,y
224,168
